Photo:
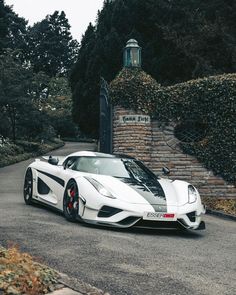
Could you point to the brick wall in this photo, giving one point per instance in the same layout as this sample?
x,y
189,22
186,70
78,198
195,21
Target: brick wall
x,y
131,138
157,146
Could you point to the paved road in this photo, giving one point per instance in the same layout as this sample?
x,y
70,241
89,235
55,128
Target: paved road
x,y
133,262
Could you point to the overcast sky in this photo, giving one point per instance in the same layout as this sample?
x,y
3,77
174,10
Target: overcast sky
x,y
78,12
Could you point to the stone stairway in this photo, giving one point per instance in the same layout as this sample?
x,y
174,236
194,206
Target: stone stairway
x,y
156,145
166,152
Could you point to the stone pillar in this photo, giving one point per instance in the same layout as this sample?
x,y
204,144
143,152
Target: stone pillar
x,y
132,134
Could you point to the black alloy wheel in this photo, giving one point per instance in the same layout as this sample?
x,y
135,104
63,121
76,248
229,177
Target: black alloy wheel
x,y
28,187
70,201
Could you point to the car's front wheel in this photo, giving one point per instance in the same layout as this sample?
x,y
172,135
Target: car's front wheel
x,y
70,201
28,186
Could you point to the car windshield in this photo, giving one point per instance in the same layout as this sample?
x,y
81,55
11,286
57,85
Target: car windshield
x,y
117,167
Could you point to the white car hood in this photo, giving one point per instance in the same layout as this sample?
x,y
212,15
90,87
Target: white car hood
x,y
160,192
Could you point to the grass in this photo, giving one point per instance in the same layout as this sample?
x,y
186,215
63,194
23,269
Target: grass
x,y
21,274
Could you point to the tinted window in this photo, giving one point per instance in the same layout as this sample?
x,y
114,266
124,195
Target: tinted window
x,y
124,168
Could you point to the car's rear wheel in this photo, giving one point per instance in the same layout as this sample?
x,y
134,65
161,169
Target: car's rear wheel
x,y
28,186
70,201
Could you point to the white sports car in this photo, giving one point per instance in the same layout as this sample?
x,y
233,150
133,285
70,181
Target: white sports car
x,y
112,190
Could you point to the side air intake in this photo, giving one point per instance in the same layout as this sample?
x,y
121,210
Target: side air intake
x,y
107,211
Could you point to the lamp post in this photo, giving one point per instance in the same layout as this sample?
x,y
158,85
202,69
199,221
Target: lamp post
x,y
132,54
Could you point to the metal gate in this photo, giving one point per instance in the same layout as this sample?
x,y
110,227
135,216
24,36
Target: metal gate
x,y
105,129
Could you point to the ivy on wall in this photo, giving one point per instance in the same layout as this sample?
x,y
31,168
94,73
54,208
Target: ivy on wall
x,y
134,89
210,101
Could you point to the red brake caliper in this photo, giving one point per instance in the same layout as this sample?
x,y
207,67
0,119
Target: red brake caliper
x,y
72,195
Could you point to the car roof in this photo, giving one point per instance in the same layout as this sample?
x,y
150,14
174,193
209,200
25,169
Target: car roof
x,y
98,154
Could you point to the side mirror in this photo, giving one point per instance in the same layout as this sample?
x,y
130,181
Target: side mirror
x,y
166,170
53,161
68,162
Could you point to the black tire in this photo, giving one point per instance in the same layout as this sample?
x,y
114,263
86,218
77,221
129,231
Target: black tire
x,y
28,187
70,201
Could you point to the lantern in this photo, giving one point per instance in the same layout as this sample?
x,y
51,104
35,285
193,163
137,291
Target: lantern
x,y
132,54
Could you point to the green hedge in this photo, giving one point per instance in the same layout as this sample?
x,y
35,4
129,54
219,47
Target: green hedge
x,y
23,150
133,87
210,100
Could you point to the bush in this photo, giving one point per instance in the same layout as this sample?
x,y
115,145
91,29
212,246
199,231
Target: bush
x,y
23,150
21,274
10,150
28,146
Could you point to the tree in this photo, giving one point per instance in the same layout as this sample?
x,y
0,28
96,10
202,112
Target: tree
x,y
14,85
32,63
3,24
12,29
85,108
57,107
180,40
51,47
19,100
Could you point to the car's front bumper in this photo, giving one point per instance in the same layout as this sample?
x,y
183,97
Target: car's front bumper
x,y
189,217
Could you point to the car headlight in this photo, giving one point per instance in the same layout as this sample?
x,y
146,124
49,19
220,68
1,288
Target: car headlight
x,y
192,194
100,188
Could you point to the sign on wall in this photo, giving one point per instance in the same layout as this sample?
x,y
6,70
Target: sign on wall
x,y
131,119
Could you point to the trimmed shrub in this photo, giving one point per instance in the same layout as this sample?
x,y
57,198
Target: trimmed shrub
x,y
133,87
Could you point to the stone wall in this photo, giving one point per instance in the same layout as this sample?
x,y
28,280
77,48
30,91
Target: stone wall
x,y
157,146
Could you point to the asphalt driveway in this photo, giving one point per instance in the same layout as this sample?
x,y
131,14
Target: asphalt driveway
x,y
137,262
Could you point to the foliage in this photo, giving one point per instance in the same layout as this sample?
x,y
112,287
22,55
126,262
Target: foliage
x,y
85,86
138,86
211,101
18,105
58,107
180,40
10,150
20,274
12,29
5,128
23,150
224,205
39,86
32,105
14,84
28,73
51,47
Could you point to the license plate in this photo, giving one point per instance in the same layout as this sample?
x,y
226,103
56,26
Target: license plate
x,y
159,216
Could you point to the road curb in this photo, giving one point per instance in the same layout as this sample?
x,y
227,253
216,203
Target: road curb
x,y
65,291
73,286
221,214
